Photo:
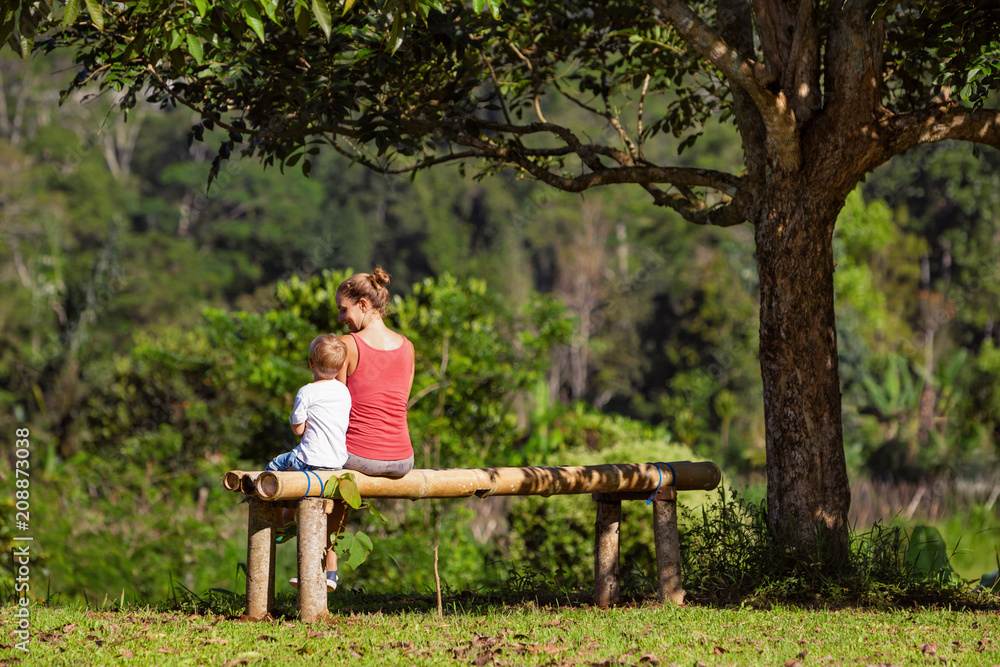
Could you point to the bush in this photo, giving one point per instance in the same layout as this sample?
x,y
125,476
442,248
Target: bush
x,y
729,558
138,533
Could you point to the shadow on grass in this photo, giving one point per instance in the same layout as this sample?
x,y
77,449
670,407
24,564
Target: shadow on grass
x,y
521,590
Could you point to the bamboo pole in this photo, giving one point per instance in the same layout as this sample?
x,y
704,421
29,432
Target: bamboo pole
x,y
607,552
260,559
311,552
510,481
668,552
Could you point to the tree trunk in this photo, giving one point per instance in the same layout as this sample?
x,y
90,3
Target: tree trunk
x,y
808,494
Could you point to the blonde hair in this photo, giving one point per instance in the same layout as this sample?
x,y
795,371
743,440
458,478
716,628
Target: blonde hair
x,y
327,354
369,286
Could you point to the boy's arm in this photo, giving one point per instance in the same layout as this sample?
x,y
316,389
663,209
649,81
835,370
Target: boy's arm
x,y
298,417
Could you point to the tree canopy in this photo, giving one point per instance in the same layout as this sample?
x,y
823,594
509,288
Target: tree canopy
x,y
821,93
405,85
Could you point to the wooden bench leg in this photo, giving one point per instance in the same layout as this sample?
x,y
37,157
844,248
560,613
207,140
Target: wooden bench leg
x,y
260,559
311,556
606,552
668,551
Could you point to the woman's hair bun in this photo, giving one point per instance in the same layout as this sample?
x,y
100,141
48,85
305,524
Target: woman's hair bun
x,y
379,276
371,286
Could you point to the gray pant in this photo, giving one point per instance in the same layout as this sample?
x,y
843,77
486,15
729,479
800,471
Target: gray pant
x,y
379,468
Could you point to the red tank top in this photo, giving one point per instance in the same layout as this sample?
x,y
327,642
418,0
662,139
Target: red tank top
x,y
380,387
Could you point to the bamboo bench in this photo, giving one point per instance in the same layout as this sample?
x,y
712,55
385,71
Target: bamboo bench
x,y
609,484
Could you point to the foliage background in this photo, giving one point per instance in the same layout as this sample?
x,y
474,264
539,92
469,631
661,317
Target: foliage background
x,y
153,335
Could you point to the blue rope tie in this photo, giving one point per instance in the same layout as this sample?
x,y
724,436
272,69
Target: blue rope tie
x,y
319,481
652,496
673,482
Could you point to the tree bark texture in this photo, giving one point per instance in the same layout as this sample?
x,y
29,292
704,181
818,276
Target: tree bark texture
x,y
795,187
807,485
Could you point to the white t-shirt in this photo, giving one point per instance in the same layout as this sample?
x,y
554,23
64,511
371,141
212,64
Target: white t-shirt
x,y
325,406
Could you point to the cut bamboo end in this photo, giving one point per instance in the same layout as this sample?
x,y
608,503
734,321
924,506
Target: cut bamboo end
x,y
695,475
247,483
232,480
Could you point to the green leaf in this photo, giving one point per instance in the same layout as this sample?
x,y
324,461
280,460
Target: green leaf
x,y
194,47
71,11
20,44
330,488
348,4
253,19
352,549
478,6
322,13
271,9
177,58
495,8
395,41
377,514
364,540
201,6
28,28
6,29
302,19
348,489
96,13
175,40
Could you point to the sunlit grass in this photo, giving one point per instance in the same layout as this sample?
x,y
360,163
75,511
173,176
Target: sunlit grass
x,y
521,634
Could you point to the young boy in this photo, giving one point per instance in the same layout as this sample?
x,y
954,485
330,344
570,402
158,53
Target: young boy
x,y
320,415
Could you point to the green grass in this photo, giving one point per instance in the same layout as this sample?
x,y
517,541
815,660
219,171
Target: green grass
x,y
480,632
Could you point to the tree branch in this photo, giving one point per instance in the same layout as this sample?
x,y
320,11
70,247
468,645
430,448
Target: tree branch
x,y
496,86
679,176
853,62
789,38
359,158
735,20
638,123
941,123
615,123
695,210
783,146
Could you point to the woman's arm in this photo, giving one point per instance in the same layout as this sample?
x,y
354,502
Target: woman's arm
x,y
299,429
351,364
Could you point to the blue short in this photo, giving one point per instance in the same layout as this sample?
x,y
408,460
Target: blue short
x,y
290,462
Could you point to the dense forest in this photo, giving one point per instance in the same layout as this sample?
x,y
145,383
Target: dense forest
x,y
154,332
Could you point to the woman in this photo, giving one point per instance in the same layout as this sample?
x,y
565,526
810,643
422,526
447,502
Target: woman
x,y
379,374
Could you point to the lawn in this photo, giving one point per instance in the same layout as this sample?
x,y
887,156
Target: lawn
x,y
473,633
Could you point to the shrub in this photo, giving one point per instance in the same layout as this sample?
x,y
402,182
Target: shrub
x,y
729,558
